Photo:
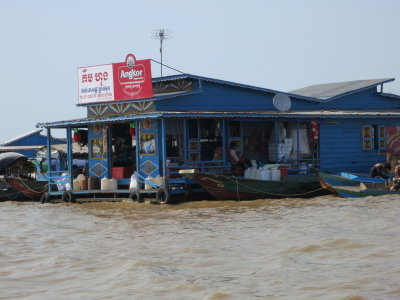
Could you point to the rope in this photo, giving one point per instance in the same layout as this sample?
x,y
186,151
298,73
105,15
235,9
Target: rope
x,y
268,193
32,190
167,66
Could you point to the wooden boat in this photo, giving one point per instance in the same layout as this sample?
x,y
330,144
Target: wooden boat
x,y
19,182
354,186
27,189
224,187
6,192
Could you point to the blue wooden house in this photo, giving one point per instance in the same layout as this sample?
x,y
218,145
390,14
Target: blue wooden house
x,y
335,127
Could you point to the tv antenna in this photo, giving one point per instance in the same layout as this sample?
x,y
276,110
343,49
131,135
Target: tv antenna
x,y
282,102
161,34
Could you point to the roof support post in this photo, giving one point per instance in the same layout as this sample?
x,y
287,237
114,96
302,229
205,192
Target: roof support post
x,y
69,156
137,145
276,140
298,141
224,135
48,158
185,140
163,148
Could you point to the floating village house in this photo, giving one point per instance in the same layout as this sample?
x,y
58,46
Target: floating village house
x,y
156,126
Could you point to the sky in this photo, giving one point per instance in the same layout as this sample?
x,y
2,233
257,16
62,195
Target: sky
x,y
282,45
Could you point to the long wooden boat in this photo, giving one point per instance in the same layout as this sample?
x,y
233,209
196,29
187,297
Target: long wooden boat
x,y
28,189
348,186
8,193
224,187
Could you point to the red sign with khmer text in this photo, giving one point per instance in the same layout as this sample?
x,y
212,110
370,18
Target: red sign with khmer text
x,y
132,79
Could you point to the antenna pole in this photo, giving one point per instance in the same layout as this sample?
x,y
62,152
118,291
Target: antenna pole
x,y
161,40
161,34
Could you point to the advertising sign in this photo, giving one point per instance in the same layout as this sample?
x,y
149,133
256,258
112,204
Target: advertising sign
x,y
393,139
132,79
95,84
116,82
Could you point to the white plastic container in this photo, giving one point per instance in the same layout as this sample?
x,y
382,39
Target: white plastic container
x,y
276,175
158,180
77,185
105,184
113,184
148,186
265,174
258,174
247,174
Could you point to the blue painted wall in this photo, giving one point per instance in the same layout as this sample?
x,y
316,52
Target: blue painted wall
x,y
220,97
33,140
150,164
98,167
341,145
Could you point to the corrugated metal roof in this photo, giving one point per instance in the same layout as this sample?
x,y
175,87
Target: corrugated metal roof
x,y
19,148
21,136
62,148
390,95
273,114
330,91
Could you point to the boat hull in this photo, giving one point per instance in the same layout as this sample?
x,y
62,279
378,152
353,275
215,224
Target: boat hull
x,y
27,189
233,188
349,188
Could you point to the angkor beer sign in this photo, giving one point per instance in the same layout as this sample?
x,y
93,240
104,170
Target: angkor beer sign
x,y
115,82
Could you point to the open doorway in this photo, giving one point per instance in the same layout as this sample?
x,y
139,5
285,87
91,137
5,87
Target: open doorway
x,y
123,147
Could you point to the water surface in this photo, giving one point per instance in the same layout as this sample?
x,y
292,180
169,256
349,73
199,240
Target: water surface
x,y
320,248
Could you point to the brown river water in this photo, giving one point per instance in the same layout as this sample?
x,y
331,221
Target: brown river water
x,y
320,248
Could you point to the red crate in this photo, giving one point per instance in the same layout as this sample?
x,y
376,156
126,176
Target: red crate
x,y
121,172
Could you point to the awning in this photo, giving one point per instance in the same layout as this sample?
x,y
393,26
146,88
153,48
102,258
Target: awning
x,y
322,114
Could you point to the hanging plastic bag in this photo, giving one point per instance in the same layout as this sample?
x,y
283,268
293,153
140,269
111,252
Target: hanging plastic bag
x,y
134,184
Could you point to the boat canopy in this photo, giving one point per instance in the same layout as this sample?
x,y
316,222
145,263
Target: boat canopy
x,y
8,158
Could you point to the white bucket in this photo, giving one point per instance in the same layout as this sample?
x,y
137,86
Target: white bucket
x,y
113,184
275,175
247,174
105,184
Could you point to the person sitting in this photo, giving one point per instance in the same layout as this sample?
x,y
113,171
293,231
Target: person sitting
x,y
238,163
395,184
217,159
380,170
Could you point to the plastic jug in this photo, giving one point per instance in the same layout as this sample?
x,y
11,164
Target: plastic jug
x,y
148,186
77,185
105,184
276,175
113,184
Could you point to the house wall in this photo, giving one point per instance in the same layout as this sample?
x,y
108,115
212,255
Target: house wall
x,y
341,145
220,97
33,140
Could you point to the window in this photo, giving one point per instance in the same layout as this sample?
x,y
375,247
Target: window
x,y
368,138
381,138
